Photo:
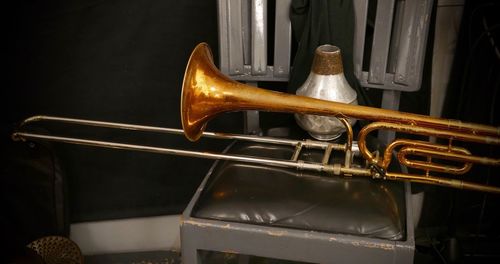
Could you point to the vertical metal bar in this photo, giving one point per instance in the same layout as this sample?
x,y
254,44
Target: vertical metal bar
x,y
396,35
349,142
296,152
282,39
246,30
405,57
390,100
348,158
360,15
251,122
223,38
381,40
235,37
413,43
251,119
259,37
326,155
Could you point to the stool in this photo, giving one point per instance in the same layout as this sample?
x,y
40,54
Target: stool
x,y
291,215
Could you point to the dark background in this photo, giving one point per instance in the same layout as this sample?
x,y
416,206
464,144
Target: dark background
x,y
124,60
120,61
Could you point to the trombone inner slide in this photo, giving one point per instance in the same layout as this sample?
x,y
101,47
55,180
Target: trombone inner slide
x,y
329,169
334,169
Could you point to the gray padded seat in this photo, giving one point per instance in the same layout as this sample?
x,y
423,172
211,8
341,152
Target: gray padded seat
x,y
260,195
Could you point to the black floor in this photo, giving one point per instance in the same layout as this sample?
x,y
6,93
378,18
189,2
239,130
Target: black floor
x,y
151,257
171,257
422,255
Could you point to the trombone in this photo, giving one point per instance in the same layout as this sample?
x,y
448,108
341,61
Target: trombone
x,y
206,93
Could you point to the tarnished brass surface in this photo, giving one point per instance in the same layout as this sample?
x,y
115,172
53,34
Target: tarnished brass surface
x,y
429,150
206,93
327,60
451,134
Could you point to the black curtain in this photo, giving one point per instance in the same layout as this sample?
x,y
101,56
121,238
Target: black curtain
x,y
470,219
119,61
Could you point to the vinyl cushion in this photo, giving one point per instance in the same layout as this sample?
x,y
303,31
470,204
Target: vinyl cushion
x,y
262,195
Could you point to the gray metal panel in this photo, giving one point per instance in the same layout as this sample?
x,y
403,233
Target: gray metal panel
x,y
396,35
251,119
282,39
390,100
388,82
403,71
406,44
360,15
235,38
259,37
413,42
381,40
406,250
247,75
243,40
223,42
251,122
285,244
189,243
246,30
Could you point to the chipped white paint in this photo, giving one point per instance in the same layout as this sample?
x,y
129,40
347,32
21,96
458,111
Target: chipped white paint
x,y
367,244
277,233
205,224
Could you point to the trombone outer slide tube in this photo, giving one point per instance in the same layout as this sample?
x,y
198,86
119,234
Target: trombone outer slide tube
x,y
331,169
299,165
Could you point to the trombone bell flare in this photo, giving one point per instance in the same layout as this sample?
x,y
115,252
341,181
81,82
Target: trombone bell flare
x,y
206,92
192,125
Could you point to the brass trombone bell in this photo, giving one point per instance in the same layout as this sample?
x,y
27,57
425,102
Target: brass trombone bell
x,y
206,93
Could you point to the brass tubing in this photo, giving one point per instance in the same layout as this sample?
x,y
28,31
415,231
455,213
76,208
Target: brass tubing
x,y
432,166
296,152
299,165
428,149
95,123
452,183
410,129
174,131
349,133
326,155
332,169
457,156
348,144
206,93
385,161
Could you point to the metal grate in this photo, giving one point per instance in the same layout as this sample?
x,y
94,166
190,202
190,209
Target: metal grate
x,y
57,250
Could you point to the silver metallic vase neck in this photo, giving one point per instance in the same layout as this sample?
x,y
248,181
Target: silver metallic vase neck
x,y
327,60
